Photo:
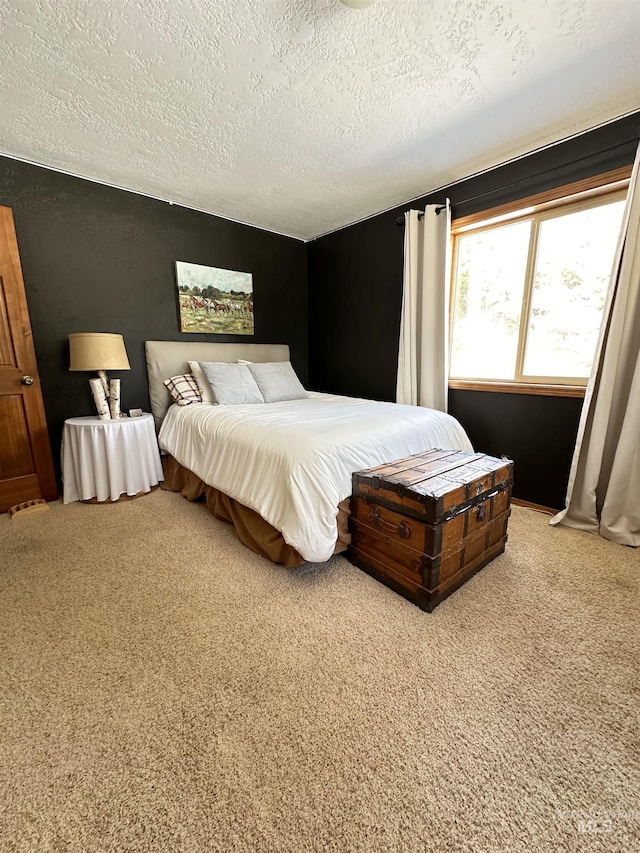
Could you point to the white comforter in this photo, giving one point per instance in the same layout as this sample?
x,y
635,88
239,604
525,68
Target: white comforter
x,y
292,461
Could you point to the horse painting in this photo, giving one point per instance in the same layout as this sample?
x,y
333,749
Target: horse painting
x,y
215,301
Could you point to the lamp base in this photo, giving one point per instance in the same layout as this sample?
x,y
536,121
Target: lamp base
x,y
114,399
100,399
106,396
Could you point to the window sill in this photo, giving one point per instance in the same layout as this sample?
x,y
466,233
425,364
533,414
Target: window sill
x,y
518,388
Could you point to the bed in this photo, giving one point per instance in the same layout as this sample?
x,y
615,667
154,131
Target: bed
x,y
281,472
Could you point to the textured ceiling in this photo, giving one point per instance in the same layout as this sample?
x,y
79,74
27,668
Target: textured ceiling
x,y
304,115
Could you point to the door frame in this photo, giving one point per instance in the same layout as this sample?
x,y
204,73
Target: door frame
x,y
21,338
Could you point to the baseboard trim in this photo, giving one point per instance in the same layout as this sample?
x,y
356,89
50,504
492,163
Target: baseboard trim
x,y
538,507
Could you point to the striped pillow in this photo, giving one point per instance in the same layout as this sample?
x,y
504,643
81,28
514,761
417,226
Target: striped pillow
x,y
184,389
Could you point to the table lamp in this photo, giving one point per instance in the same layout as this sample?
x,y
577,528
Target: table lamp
x,y
101,352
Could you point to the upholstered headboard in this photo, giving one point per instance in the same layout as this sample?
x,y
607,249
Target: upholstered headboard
x,y
170,358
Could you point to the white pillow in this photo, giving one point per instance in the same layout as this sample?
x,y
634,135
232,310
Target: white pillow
x,y
201,381
231,384
277,381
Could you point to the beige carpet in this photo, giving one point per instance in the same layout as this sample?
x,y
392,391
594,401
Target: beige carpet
x,y
163,689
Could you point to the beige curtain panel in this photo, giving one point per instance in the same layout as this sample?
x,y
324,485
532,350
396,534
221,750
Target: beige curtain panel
x,y
423,354
603,495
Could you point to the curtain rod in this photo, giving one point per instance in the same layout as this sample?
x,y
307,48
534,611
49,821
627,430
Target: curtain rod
x,y
527,179
400,219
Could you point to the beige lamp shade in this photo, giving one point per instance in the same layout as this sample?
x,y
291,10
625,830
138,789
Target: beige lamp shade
x,y
97,351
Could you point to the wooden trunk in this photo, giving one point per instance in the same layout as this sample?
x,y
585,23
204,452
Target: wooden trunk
x,y
424,525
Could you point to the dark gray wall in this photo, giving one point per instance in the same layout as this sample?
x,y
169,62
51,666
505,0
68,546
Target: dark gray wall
x,y
97,259
355,297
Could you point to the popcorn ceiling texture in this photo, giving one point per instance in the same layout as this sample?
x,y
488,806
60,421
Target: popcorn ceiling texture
x,y
301,116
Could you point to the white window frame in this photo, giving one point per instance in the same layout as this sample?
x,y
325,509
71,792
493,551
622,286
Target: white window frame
x,y
582,195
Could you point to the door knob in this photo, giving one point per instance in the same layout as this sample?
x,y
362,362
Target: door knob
x,y
27,380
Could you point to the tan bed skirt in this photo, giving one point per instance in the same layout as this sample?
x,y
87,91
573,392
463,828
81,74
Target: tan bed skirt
x,y
253,531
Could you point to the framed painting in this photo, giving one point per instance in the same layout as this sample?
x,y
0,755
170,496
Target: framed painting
x,y
215,301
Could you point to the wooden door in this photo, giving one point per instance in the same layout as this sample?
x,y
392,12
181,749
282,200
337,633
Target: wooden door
x,y
26,468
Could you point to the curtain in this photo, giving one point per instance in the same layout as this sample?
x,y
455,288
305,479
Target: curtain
x,y
424,348
603,494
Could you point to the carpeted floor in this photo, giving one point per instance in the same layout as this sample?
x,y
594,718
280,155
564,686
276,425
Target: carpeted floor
x,y
164,689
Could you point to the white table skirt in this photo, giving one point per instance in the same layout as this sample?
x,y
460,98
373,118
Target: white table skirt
x,y
105,459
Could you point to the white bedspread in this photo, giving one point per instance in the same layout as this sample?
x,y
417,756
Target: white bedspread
x,y
292,462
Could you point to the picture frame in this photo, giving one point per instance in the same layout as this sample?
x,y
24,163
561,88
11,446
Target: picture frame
x,y
213,300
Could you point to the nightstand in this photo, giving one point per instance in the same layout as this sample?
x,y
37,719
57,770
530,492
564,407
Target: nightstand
x,y
107,459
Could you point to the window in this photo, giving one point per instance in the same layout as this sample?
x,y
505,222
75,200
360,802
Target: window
x,y
529,286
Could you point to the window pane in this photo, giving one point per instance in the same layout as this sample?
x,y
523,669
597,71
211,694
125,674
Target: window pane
x,y
490,276
573,265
